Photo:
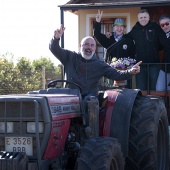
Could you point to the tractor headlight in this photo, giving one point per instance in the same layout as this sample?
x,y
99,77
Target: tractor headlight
x,y
31,128
9,127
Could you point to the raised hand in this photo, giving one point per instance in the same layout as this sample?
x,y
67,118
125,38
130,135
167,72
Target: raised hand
x,y
59,32
136,68
108,34
99,16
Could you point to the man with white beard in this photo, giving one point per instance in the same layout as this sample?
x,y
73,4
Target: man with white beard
x,y
84,68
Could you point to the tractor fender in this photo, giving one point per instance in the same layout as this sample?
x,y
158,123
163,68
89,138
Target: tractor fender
x,y
118,114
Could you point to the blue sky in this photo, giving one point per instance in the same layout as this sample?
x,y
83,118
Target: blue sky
x,y
26,27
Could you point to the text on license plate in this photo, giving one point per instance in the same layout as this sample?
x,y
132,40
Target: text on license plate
x,y
19,144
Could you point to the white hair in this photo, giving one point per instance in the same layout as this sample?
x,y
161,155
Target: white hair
x,y
88,37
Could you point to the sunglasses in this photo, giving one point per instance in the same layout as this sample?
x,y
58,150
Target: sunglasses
x,y
166,23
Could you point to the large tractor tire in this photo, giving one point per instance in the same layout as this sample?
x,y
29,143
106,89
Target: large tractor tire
x,y
148,136
100,153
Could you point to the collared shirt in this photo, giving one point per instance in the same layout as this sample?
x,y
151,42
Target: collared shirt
x,y
117,37
168,34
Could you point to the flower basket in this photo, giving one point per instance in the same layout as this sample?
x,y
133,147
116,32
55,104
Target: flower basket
x,y
120,83
122,64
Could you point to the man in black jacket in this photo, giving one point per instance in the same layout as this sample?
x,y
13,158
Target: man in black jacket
x,y
146,35
164,22
117,45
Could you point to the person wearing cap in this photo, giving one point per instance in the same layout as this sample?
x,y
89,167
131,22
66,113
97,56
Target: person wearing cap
x,y
164,22
117,45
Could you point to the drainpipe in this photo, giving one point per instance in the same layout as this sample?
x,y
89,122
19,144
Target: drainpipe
x,y
62,22
62,41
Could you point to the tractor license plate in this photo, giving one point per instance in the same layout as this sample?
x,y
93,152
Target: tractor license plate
x,y
19,144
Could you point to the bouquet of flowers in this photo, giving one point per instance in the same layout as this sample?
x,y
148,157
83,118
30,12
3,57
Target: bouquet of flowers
x,y
122,63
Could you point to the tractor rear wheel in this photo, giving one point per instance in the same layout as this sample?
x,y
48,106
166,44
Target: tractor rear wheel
x,y
148,136
100,153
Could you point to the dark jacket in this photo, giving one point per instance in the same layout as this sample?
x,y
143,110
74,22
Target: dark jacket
x,y
146,41
123,48
86,73
166,50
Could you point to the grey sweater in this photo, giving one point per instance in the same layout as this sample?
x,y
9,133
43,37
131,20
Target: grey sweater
x,y
85,73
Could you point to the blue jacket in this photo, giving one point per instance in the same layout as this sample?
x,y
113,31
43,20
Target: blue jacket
x,y
85,73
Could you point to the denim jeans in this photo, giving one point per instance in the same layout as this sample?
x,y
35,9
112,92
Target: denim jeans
x,y
85,108
147,77
162,79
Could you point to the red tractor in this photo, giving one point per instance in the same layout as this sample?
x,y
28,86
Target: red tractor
x,y
54,129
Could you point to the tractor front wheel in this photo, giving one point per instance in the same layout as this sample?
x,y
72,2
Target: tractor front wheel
x,y
100,153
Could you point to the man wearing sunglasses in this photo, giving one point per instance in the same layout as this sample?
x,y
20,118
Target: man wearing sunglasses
x,y
164,22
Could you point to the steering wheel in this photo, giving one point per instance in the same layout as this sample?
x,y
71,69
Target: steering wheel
x,y
54,83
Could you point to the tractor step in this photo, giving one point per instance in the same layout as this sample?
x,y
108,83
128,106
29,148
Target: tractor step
x,y
13,160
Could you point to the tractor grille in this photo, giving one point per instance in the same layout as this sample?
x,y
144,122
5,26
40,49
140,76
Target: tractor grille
x,y
19,110
14,116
